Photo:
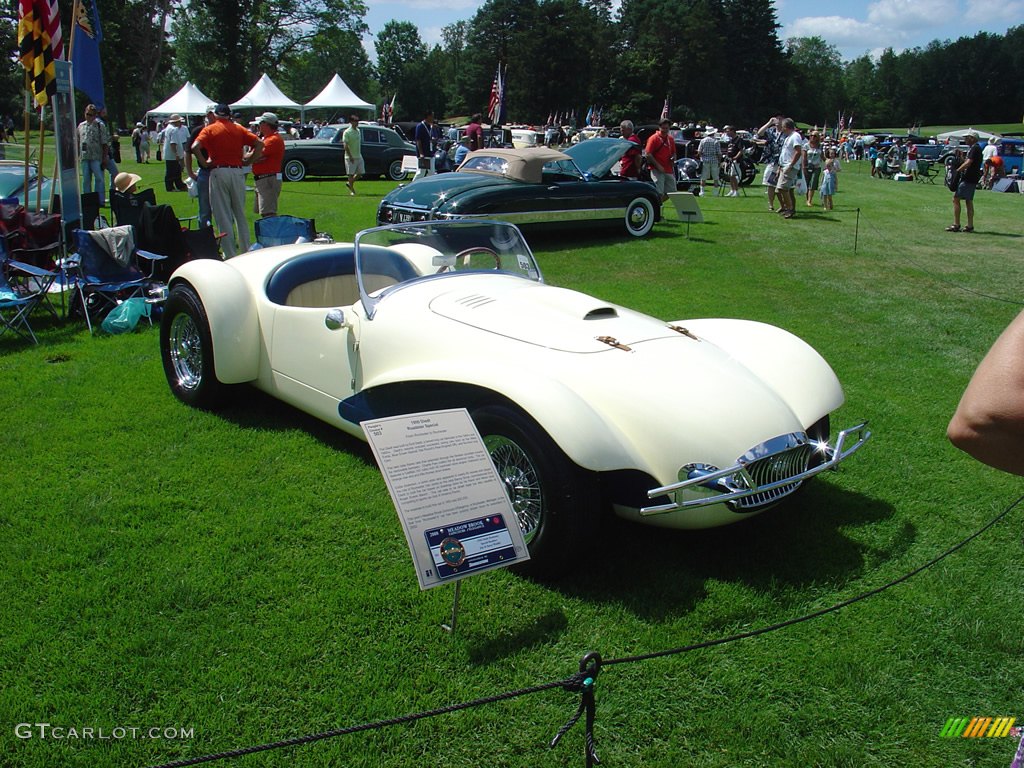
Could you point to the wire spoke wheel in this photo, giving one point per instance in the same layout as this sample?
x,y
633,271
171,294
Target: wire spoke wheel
x,y
521,480
186,351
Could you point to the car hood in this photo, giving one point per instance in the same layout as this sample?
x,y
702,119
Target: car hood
x,y
549,317
430,191
597,156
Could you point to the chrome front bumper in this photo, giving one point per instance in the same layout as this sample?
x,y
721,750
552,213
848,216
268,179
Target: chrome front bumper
x,y
760,477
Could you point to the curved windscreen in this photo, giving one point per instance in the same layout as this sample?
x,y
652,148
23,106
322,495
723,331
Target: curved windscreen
x,y
388,258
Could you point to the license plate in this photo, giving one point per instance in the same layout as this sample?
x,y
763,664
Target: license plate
x,y
404,216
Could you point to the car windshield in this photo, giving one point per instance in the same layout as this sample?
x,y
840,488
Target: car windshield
x,y
392,257
327,132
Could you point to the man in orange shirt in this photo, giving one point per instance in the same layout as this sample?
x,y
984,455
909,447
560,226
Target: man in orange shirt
x,y
224,143
267,172
661,157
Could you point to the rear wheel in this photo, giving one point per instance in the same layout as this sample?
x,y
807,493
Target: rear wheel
x,y
395,172
555,501
295,170
186,348
639,217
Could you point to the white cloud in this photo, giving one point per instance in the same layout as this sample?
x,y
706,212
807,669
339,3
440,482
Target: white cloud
x,y
984,11
912,14
426,5
840,31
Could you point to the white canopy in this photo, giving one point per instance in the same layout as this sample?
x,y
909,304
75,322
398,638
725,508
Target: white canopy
x,y
265,94
188,101
337,94
959,134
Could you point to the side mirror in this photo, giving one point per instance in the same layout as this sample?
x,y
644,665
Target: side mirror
x,y
443,260
335,320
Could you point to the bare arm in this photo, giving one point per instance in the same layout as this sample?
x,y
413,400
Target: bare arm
x,y
989,422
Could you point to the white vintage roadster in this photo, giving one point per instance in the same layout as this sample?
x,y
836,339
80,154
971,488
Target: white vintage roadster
x,y
582,403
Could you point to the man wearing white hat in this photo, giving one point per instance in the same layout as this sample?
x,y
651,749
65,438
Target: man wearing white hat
x,y
175,137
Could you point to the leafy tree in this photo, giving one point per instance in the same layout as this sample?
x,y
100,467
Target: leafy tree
x,y
304,73
224,45
816,92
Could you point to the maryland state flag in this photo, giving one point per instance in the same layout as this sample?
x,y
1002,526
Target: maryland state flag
x,y
35,47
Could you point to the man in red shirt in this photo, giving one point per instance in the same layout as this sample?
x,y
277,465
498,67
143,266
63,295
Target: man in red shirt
x,y
661,157
267,172
225,142
629,165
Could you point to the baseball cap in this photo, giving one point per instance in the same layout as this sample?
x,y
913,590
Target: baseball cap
x,y
267,117
222,110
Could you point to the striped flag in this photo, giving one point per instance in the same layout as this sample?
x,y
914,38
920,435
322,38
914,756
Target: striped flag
x,y
53,27
496,104
35,49
664,109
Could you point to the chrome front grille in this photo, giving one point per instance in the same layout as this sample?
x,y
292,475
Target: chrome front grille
x,y
792,462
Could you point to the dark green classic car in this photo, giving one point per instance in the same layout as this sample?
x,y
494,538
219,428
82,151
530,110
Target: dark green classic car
x,y
532,187
382,151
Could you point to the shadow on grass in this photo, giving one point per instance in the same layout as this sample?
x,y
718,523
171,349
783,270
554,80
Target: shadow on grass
x,y
252,409
660,573
535,631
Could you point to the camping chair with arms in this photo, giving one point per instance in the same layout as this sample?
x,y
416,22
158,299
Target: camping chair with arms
x,y
22,288
284,230
101,281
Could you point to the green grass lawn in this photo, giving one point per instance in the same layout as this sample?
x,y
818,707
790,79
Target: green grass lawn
x,y
243,575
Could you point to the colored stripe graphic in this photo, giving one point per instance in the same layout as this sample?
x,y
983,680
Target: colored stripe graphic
x,y
977,727
1001,727
953,727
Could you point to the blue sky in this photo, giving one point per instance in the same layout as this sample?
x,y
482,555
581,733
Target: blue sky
x,y
855,27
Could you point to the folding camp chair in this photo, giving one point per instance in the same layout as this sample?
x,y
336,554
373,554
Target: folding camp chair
x,y
22,288
159,230
100,281
284,230
127,206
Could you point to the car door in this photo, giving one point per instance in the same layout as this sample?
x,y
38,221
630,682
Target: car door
x,y
373,146
314,366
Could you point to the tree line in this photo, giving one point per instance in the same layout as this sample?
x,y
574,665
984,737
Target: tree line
x,y
712,60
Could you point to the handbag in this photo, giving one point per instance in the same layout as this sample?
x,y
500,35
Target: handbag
x,y
801,185
953,178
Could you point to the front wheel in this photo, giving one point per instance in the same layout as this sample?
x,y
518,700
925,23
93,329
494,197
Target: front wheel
x,y
295,170
639,217
395,171
186,348
555,501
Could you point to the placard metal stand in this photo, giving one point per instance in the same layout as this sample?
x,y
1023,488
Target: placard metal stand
x,y
687,207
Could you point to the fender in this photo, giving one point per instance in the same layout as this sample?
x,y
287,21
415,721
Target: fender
x,y
790,365
579,429
231,310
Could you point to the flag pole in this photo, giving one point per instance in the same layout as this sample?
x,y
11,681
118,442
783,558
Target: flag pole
x,y
39,186
28,141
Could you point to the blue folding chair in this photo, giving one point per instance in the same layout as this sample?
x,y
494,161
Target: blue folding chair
x,y
23,287
284,230
99,281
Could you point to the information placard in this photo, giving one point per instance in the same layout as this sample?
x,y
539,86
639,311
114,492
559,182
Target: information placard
x,y
453,507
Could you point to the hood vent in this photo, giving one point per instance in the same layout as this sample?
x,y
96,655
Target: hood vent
x,y
601,313
475,301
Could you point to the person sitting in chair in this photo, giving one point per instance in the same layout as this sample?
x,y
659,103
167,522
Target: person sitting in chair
x,y
127,183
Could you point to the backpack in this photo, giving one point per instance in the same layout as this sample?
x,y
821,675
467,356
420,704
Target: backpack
x,y
953,177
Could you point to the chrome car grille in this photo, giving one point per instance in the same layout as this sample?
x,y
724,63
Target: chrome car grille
x,y
760,477
767,471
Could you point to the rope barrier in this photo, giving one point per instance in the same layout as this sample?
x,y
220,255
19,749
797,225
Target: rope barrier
x,y
589,668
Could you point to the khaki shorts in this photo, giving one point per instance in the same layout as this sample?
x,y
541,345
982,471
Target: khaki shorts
x,y
787,178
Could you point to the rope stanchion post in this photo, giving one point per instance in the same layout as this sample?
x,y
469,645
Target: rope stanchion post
x,y
590,666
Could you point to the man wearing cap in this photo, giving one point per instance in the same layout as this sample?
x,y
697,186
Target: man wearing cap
x,y
660,152
267,172
175,137
200,174
137,142
225,143
353,141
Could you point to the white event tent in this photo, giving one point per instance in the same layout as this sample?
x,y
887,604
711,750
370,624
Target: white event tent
x,y
337,94
188,101
265,94
958,135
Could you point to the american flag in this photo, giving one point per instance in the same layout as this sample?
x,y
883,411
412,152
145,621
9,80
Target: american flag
x,y
664,109
496,105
